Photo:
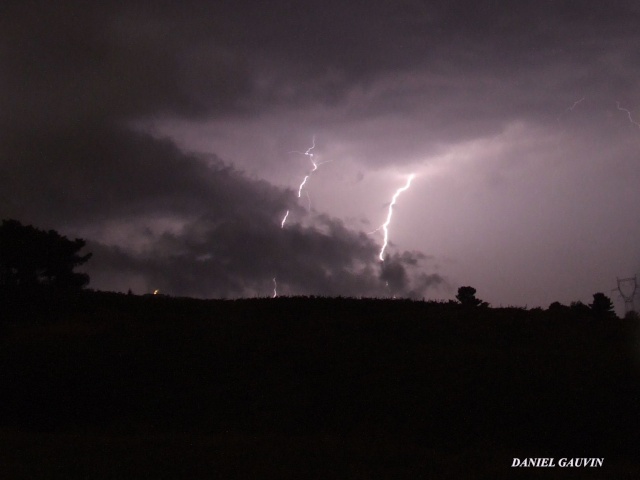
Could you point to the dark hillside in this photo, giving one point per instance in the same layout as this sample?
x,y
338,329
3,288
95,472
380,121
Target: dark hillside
x,y
399,377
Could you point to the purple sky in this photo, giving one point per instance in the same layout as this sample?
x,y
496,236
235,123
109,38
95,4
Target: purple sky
x,y
170,138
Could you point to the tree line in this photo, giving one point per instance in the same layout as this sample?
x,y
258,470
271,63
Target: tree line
x,y
601,307
32,259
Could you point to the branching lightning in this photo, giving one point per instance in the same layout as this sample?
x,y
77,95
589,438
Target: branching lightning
x,y
307,153
628,114
315,167
385,225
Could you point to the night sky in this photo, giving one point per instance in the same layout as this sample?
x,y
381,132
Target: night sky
x,y
172,137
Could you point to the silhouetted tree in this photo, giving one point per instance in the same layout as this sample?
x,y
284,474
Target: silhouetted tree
x,y
632,315
467,297
31,258
557,309
578,309
602,306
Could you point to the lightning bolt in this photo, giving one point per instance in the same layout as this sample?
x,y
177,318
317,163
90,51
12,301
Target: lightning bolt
x,y
570,109
308,201
275,288
576,103
385,225
315,167
628,114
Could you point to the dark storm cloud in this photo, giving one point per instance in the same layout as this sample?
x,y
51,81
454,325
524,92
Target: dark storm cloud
x,y
420,76
74,77
397,274
410,77
219,232
212,257
69,62
97,171
196,58
320,51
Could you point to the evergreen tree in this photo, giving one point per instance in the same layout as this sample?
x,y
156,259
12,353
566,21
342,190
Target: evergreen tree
x,y
32,258
602,306
467,297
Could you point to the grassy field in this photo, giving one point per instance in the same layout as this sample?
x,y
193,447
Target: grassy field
x,y
114,386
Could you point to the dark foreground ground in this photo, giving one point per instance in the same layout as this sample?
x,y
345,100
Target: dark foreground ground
x,y
106,386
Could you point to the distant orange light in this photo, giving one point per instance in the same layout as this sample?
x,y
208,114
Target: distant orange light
x,y
155,292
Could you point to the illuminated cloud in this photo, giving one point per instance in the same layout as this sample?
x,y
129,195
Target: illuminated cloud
x,y
164,136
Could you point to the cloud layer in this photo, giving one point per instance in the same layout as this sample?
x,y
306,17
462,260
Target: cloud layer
x,y
164,135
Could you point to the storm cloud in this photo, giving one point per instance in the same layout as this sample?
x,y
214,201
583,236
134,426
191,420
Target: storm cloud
x,y
171,137
156,217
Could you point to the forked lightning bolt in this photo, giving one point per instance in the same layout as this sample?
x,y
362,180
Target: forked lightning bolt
x,y
385,225
628,114
307,176
313,162
315,167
